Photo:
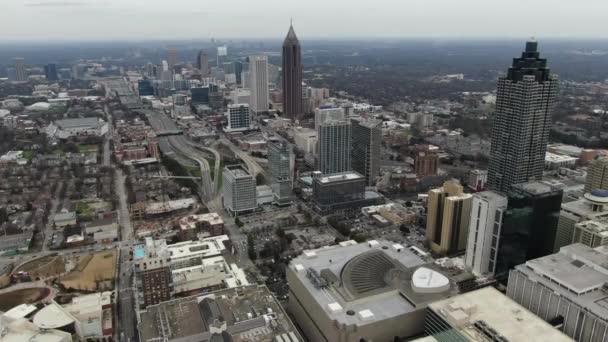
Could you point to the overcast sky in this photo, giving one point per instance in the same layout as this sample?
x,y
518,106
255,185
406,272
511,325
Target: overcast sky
x,y
203,19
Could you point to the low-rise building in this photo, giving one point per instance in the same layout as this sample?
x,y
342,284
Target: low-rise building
x,y
566,289
66,128
94,312
555,161
592,233
64,218
593,206
248,313
15,243
486,315
373,291
191,226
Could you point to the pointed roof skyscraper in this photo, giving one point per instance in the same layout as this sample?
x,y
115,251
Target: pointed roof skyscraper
x,y
292,75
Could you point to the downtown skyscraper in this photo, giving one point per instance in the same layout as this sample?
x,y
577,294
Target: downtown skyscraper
x,y
365,151
258,83
292,76
522,121
202,62
279,160
335,144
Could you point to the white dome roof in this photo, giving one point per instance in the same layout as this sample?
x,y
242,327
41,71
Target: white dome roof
x,y
425,280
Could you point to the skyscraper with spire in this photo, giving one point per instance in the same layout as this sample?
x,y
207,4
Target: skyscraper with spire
x,y
522,121
292,76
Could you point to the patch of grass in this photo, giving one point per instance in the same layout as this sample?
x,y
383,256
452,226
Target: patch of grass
x,y
29,155
87,148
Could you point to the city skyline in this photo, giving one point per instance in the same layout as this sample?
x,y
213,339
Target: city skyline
x,y
387,18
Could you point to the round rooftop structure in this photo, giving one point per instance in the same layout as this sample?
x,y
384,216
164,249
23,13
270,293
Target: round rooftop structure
x,y
598,196
366,272
425,280
52,316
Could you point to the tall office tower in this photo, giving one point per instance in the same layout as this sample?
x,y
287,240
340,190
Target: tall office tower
x,y
597,175
150,72
334,147
202,62
238,117
529,226
365,152
20,74
12,74
566,289
145,87
522,121
292,76
172,58
222,55
448,218
239,190
487,210
593,206
258,74
324,114
50,71
425,161
279,160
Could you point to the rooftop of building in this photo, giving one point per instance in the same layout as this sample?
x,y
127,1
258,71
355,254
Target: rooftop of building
x,y
583,207
534,188
473,314
53,316
357,284
21,330
339,177
190,221
91,303
238,170
578,272
559,158
206,247
598,227
213,271
248,312
492,196
78,122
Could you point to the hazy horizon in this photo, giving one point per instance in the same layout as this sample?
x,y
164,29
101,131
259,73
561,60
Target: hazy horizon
x,y
158,20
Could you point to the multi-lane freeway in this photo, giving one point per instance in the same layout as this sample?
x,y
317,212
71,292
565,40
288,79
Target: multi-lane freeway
x,y
182,148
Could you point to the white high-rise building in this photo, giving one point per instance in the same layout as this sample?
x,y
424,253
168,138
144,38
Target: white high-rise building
x,y
258,83
335,144
484,232
238,117
279,159
239,190
323,115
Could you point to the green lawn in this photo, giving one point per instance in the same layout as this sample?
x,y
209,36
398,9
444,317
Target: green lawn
x,y
29,155
87,148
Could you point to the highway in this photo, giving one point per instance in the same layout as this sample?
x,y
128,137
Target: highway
x,y
179,145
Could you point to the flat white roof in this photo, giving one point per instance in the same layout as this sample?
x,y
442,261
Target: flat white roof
x,y
340,177
52,316
20,311
499,312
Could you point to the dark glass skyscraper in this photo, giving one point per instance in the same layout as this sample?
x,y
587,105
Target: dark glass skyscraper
x,y
292,76
50,70
522,121
202,62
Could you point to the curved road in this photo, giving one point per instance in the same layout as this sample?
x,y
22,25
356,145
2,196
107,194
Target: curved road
x,y
181,146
